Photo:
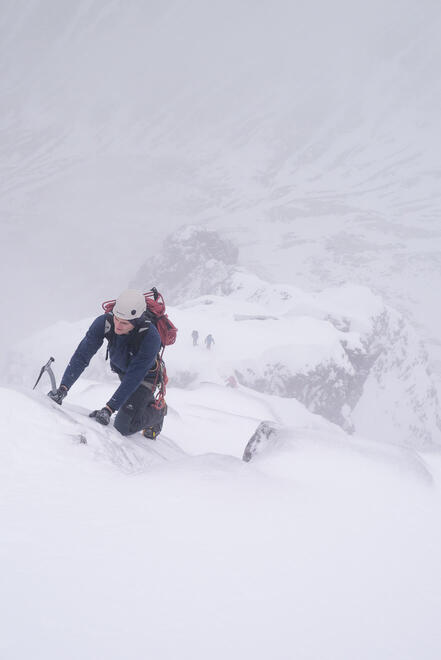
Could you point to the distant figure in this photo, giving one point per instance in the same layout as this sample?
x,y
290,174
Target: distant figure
x,y
208,341
195,337
231,381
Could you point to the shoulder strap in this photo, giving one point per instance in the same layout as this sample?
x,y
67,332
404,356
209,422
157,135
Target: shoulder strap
x,y
141,330
108,326
109,331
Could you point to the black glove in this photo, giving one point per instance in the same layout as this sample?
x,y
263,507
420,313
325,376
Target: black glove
x,y
102,416
59,395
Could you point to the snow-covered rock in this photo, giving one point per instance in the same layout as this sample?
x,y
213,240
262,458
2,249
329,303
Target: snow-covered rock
x,y
286,451
342,352
372,376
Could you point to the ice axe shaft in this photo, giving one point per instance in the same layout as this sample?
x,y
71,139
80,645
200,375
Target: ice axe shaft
x,y
47,367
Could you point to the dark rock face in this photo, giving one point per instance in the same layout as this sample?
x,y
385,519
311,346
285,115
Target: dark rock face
x,y
324,390
193,262
390,359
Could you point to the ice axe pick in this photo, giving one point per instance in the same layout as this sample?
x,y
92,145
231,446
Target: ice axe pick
x,y
47,367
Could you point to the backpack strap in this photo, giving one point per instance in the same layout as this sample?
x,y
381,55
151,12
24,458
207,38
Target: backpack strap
x,y
109,331
142,326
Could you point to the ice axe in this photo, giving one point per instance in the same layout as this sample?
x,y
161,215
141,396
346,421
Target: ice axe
x,y
47,367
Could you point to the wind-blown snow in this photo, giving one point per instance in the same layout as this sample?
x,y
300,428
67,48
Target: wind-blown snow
x,y
318,547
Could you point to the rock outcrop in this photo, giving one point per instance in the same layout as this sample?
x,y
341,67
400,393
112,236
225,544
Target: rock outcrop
x,y
193,261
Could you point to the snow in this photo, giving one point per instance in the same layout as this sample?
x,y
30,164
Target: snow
x,y
324,544
341,351
308,136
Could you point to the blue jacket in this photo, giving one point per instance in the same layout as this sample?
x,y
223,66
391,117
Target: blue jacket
x,y
132,368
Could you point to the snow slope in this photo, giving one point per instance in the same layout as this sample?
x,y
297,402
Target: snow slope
x,y
313,549
323,545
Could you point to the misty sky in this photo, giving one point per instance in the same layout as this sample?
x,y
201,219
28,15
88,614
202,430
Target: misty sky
x,y
121,121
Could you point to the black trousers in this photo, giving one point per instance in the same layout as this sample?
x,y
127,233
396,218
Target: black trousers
x,y
137,413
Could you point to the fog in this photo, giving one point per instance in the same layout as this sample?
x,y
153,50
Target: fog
x,y
120,122
305,136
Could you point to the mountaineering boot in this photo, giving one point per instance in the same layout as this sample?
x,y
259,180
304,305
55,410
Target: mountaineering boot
x,y
151,433
155,429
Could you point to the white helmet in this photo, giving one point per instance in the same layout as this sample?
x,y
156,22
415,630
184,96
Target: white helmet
x,y
129,305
